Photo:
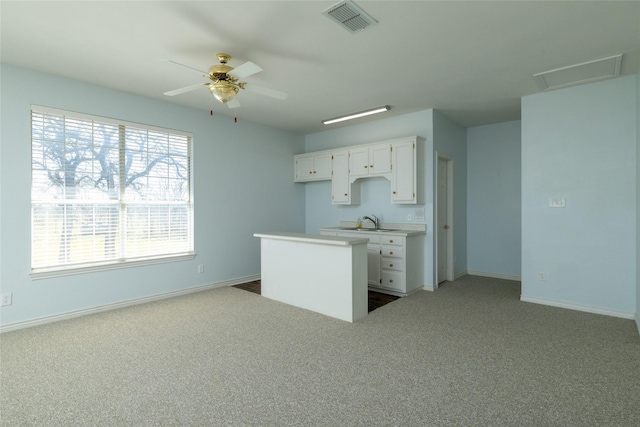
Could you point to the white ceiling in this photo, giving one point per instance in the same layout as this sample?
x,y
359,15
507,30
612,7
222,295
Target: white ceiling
x,y
473,61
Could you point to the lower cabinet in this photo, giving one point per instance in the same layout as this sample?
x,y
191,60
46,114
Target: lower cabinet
x,y
395,263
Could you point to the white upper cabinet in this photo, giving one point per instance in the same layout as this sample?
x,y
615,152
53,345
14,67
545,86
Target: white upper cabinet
x,y
403,177
342,192
395,160
312,167
369,160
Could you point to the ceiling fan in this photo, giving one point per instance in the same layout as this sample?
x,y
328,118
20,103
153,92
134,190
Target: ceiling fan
x,y
225,81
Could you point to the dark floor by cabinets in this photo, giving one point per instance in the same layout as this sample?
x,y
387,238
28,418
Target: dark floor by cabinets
x,y
376,299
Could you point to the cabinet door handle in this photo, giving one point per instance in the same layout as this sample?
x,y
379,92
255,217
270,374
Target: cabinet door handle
x,y
345,194
390,280
371,166
390,241
390,265
365,166
390,252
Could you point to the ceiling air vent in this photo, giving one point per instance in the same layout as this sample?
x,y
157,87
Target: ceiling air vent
x,y
585,72
349,16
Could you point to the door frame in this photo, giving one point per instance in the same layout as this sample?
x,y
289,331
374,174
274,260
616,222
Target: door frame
x,y
450,205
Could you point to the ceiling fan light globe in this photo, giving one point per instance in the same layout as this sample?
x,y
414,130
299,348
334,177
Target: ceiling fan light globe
x,y
223,92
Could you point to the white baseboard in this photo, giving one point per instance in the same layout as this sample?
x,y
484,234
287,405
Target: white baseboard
x,y
638,318
576,307
429,288
494,275
128,303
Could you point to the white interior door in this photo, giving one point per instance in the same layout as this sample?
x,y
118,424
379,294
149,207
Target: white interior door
x,y
442,219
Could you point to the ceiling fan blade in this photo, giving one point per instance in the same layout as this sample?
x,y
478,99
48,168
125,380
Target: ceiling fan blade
x,y
245,70
184,89
234,103
278,94
186,66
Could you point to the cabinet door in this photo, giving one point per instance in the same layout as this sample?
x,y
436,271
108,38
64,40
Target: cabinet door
x,y
403,179
359,161
322,166
373,264
340,187
379,159
303,167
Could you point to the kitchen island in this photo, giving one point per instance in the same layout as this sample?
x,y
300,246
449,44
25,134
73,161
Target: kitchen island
x,y
325,274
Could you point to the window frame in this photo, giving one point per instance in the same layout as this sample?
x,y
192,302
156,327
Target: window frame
x,y
121,261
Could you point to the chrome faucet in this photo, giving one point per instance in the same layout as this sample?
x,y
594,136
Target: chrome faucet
x,y
374,221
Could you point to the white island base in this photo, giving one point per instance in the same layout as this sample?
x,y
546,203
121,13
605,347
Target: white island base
x,y
325,274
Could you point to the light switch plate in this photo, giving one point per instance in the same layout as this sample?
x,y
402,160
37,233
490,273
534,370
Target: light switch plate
x,y
557,202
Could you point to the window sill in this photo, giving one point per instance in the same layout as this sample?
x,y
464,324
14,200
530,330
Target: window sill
x,y
48,273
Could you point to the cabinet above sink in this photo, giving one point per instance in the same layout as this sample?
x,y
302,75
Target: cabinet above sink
x,y
394,160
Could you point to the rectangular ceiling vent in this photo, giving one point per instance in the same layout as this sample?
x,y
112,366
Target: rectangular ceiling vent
x,y
586,72
349,16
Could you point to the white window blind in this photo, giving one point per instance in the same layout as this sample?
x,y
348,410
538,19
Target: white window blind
x,y
106,192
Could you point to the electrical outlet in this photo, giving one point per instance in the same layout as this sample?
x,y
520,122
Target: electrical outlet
x,y
409,217
6,299
542,276
200,268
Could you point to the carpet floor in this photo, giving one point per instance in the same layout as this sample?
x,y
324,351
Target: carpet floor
x,y
468,354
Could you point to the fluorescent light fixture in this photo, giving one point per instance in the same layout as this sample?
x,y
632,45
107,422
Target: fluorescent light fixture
x,y
356,115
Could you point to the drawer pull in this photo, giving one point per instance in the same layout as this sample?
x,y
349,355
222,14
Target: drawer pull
x,y
390,265
390,252
390,280
390,241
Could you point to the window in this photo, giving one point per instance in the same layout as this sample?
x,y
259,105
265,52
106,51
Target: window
x,y
106,193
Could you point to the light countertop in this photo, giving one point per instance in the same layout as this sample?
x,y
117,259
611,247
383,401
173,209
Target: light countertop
x,y
313,238
406,230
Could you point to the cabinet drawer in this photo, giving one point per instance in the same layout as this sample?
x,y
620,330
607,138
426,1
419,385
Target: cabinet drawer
x,y
393,264
392,240
393,280
393,251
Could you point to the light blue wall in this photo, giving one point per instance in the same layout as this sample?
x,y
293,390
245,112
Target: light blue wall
x,y
243,184
493,201
450,140
580,143
375,197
